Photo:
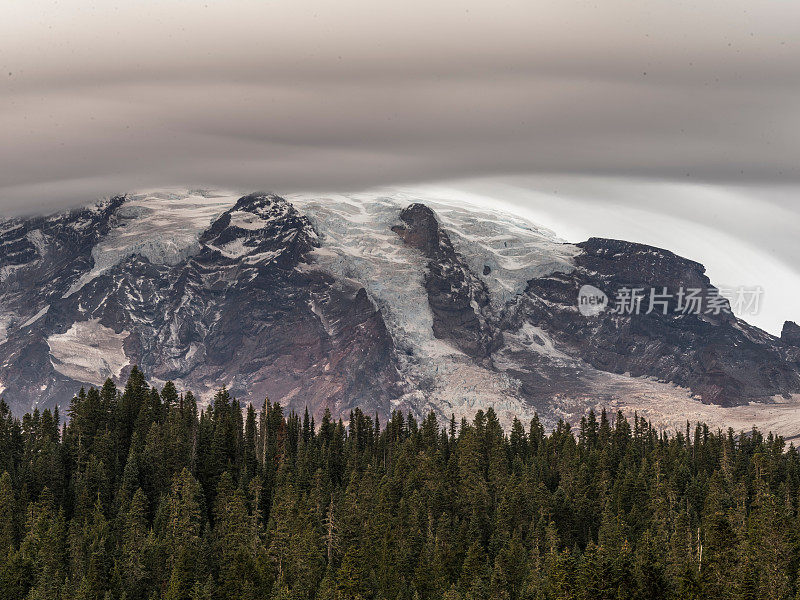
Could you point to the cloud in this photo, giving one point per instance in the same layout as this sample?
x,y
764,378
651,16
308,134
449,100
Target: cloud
x,y
310,95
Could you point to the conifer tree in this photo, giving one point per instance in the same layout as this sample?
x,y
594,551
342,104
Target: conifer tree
x,y
8,518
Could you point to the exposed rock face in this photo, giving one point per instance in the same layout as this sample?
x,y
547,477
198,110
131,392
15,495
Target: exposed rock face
x,y
40,257
370,303
458,299
719,357
791,333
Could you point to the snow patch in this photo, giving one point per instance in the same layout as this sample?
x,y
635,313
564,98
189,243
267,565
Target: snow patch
x,y
537,340
88,352
234,249
8,270
5,321
36,317
261,257
36,237
246,220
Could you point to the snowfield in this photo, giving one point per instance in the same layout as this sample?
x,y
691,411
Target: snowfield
x,y
89,352
162,226
669,407
513,249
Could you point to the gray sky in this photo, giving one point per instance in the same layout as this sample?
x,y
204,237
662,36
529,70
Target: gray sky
x,y
688,111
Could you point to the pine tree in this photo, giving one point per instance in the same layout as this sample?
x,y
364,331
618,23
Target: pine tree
x,y
234,533
8,518
130,571
351,581
182,534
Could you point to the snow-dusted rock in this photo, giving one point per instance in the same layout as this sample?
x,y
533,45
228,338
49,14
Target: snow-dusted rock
x,y
379,300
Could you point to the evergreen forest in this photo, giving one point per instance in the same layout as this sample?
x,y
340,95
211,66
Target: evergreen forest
x,y
137,494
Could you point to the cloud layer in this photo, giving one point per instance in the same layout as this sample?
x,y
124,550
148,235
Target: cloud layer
x,y
311,95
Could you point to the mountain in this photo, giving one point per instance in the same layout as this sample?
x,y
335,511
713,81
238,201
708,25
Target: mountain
x,y
381,301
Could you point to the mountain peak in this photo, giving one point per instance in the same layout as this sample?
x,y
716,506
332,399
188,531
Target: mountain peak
x,y
263,202
791,333
420,229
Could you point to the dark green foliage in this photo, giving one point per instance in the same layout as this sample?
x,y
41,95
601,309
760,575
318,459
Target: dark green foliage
x,y
141,496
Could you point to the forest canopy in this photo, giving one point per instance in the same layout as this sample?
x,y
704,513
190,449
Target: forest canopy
x,y
141,495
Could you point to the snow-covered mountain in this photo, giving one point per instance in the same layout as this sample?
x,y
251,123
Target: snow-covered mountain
x,y
381,301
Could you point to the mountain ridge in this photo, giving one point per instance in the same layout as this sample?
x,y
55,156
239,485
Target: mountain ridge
x,y
377,302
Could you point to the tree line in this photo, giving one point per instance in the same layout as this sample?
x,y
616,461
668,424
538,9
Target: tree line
x,y
141,495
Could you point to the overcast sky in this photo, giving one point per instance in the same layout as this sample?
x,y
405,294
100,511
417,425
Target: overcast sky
x,y
648,119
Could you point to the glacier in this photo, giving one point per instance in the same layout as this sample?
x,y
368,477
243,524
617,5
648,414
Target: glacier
x,y
358,244
162,226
